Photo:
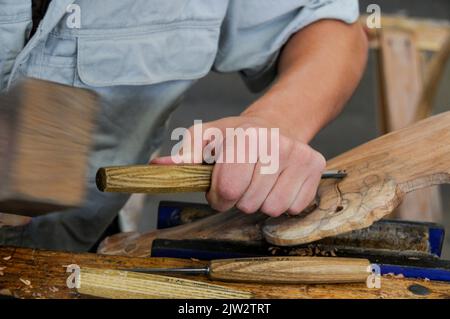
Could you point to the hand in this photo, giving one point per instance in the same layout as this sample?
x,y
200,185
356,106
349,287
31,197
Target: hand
x,y
290,188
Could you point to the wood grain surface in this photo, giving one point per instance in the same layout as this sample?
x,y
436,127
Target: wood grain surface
x,y
287,270
116,284
27,273
155,178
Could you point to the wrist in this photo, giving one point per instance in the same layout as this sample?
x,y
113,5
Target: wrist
x,y
288,125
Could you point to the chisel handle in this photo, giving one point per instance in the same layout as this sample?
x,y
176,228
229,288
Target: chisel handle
x,y
163,178
155,178
291,270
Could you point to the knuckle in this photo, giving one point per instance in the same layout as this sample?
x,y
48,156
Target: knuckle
x,y
295,210
246,207
298,207
215,203
227,192
218,207
272,210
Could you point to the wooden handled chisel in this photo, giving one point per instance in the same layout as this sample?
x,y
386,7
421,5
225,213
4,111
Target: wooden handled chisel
x,y
164,178
289,270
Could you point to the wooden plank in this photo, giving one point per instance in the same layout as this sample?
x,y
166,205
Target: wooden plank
x,y
44,275
45,138
401,78
401,88
435,71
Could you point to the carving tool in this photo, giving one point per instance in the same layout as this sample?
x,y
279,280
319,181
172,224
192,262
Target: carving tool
x,y
165,178
290,270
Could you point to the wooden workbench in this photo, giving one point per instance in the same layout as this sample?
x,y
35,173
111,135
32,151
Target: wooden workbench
x,y
28,273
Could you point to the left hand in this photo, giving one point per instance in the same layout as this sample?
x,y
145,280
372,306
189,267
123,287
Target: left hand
x,y
291,188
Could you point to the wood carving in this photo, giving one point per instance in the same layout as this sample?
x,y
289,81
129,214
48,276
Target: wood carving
x,y
380,173
45,137
44,276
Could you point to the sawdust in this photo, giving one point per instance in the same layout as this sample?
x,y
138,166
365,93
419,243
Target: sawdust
x,y
53,289
392,275
312,251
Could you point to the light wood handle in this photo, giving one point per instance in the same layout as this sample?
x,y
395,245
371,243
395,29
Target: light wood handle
x,y
155,178
115,284
312,270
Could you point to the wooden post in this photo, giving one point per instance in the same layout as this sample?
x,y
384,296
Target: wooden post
x,y
401,88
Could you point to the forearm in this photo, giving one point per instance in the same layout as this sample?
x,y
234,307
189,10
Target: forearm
x,y
319,69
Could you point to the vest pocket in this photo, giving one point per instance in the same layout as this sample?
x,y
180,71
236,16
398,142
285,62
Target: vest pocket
x,y
178,52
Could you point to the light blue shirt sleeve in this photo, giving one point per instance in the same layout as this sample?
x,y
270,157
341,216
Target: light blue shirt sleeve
x,y
254,31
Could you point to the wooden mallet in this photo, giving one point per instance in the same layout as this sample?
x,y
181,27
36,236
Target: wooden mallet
x,y
45,137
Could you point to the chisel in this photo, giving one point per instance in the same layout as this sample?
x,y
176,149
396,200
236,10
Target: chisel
x,y
289,270
165,178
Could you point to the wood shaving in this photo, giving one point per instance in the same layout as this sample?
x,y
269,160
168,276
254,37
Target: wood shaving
x,y
53,289
1,273
391,274
273,250
25,282
7,258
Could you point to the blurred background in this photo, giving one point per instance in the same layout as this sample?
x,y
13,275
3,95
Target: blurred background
x,y
221,95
